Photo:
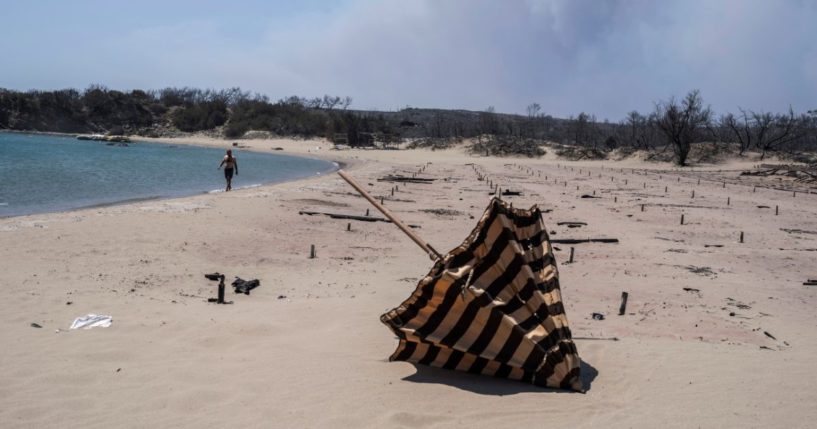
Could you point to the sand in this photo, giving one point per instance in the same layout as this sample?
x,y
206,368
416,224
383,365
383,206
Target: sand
x,y
306,349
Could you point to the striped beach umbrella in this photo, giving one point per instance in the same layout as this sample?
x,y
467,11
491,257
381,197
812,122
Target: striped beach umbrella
x,y
492,306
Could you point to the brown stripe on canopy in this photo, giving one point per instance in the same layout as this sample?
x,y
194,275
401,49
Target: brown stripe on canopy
x,y
492,306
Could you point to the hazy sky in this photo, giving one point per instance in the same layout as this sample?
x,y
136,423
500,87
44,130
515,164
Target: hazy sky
x,y
605,57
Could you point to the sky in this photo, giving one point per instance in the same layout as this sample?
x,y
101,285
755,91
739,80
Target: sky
x,y
603,57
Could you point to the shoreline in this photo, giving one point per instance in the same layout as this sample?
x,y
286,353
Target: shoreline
x,y
195,142
347,159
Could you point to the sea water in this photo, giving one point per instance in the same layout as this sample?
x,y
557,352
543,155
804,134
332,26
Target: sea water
x,y
43,173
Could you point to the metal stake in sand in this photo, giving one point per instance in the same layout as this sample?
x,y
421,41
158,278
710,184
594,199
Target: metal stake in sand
x,y
311,251
682,219
571,256
386,212
741,236
776,210
728,199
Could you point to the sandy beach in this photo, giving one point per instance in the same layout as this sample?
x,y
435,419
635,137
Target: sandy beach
x,y
717,333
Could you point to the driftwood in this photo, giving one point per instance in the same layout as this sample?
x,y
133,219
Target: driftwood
x,y
350,217
572,224
800,173
507,193
798,231
583,240
405,179
597,338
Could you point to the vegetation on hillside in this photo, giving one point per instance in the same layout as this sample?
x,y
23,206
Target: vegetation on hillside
x,y
674,125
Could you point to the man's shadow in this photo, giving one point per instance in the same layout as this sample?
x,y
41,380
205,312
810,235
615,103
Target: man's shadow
x,y
486,385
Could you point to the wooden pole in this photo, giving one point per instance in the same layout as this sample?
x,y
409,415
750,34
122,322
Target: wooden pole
x,y
220,298
386,212
623,308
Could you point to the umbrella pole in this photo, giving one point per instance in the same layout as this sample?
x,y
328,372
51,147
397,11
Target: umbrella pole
x,y
433,254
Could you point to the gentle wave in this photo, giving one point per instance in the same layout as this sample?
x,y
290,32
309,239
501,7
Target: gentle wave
x,y
255,185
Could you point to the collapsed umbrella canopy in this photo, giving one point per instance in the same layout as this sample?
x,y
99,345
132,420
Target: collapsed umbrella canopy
x,y
492,306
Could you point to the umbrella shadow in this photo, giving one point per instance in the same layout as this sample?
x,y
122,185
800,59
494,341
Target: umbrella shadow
x,y
485,385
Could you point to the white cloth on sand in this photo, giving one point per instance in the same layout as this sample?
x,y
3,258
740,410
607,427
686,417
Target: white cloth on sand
x,y
92,321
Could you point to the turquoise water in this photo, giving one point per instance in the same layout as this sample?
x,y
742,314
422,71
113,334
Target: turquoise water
x,y
51,173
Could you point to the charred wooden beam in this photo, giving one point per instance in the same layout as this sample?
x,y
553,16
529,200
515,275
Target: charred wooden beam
x,y
350,217
583,240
